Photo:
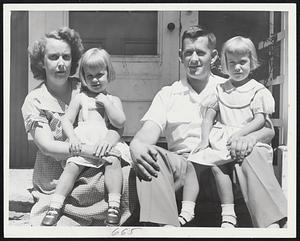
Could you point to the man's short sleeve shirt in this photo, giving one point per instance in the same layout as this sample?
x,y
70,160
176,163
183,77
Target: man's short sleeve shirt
x,y
178,110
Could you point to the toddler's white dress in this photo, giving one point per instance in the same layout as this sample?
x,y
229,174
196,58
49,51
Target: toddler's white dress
x,y
236,107
91,131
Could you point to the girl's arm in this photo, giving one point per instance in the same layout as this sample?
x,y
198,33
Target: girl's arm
x,y
207,124
206,127
257,123
113,109
70,116
242,146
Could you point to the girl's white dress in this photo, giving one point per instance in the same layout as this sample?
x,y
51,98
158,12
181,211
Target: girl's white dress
x,y
91,131
236,107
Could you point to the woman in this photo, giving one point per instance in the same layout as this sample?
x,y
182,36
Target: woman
x,y
53,59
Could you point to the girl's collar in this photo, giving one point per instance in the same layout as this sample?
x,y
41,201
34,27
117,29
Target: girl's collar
x,y
229,87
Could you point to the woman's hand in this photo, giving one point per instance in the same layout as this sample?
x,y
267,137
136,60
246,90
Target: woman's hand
x,y
75,146
144,157
102,148
241,146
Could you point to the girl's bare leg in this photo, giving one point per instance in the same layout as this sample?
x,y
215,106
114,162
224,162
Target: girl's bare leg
x,y
190,193
113,179
64,187
224,188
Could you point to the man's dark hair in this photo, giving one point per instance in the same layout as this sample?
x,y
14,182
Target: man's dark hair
x,y
196,31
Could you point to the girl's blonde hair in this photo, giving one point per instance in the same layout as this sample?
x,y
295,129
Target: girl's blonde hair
x,y
96,57
239,45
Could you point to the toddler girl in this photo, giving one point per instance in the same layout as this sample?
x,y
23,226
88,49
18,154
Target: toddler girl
x,y
95,109
242,104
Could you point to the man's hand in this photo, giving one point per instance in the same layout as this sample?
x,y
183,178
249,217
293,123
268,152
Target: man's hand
x,y
144,157
240,147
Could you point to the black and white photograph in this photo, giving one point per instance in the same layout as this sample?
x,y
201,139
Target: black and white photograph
x,y
149,120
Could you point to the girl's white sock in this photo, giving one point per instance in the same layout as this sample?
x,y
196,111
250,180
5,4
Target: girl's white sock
x,y
187,212
228,215
57,201
114,199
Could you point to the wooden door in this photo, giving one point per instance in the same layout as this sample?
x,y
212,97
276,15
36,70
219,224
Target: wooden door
x,y
144,47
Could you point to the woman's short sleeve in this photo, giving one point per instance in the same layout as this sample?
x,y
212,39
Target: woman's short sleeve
x,y
263,102
213,102
32,114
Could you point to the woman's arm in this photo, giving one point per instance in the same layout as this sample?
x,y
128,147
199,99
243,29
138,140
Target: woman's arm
x,y
59,150
113,109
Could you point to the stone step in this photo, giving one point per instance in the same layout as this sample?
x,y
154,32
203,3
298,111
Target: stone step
x,y
20,184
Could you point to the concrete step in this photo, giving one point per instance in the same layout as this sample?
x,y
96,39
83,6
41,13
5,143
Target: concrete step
x,y
20,184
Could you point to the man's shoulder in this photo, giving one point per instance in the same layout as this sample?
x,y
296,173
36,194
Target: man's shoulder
x,y
175,87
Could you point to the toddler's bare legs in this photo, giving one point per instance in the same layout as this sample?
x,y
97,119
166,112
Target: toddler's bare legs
x,y
64,187
113,179
224,187
190,193
68,178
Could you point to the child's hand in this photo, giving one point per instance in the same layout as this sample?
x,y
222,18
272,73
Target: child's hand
x,y
101,99
233,137
201,146
102,148
74,146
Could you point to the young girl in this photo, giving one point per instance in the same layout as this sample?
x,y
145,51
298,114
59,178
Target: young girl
x,y
242,104
95,109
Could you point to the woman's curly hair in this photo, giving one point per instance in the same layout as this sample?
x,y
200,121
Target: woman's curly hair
x,y
37,53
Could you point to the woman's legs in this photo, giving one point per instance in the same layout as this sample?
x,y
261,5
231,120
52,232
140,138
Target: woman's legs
x,y
190,193
224,187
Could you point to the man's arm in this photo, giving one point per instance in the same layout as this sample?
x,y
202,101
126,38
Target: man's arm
x,y
142,151
241,147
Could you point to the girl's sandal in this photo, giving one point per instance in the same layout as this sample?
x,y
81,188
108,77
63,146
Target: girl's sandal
x,y
183,221
231,225
52,216
113,216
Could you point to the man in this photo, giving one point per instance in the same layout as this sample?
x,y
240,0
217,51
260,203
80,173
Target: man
x,y
177,111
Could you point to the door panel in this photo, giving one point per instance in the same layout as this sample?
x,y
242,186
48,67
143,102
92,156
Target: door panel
x,y
120,33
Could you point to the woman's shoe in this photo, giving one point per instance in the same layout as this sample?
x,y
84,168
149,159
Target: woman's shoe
x,y
52,216
113,216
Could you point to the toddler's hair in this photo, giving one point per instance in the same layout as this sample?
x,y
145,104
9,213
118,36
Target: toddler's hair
x,y
196,31
37,51
96,57
239,45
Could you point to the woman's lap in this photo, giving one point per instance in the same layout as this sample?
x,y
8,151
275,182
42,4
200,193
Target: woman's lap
x,y
86,204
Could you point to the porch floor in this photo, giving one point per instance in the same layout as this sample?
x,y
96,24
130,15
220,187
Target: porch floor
x,y
21,202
